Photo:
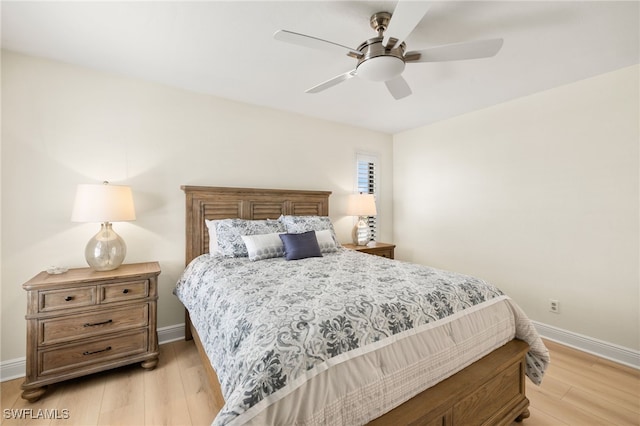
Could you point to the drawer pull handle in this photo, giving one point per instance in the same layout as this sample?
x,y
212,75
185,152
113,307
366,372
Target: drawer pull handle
x,y
108,348
68,298
89,324
125,291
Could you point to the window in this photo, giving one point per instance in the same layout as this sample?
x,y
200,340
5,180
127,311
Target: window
x,y
366,183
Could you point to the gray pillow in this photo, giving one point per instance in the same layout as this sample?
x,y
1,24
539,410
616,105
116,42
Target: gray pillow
x,y
300,246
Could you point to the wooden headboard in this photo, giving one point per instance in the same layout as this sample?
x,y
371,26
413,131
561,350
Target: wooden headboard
x,y
205,202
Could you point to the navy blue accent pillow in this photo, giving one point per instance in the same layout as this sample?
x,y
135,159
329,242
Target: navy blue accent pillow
x,y
300,246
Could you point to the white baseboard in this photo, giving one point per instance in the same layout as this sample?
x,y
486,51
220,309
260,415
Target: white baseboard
x,y
170,333
12,369
610,351
15,368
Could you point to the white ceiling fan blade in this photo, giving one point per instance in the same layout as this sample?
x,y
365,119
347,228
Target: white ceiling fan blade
x,y
398,87
458,51
404,19
331,82
314,42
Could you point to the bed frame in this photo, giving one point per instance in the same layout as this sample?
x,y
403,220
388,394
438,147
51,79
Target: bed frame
x,y
490,391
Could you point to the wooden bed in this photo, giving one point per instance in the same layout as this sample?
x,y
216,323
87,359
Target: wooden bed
x,y
490,391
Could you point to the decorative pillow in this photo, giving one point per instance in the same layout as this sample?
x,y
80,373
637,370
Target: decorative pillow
x,y
300,246
326,242
229,234
299,224
263,246
213,237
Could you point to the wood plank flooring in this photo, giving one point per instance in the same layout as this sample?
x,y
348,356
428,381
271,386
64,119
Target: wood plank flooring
x,y
579,389
582,389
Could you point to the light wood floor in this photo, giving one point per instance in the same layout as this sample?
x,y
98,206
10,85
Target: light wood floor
x,y
579,389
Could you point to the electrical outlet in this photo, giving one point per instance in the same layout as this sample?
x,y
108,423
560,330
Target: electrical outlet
x,y
554,306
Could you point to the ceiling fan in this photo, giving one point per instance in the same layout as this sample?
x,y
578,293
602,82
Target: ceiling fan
x,y
383,58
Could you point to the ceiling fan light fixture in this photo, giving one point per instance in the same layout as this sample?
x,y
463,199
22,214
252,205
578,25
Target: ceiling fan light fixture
x,y
381,68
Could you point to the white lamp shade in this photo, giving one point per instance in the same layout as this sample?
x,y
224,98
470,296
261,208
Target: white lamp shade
x,y
103,203
361,205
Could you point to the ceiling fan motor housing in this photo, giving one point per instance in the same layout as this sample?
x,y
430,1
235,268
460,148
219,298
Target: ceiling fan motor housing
x,y
379,63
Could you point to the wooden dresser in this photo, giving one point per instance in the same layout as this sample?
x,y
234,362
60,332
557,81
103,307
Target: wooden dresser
x,y
84,321
377,248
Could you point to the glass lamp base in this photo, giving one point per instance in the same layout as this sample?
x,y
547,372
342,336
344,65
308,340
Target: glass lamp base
x,y
106,250
360,233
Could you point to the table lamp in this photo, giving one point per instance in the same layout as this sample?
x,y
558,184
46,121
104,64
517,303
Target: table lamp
x,y
361,205
105,204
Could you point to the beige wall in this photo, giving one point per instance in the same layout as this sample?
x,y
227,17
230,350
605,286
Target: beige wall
x,y
539,196
63,125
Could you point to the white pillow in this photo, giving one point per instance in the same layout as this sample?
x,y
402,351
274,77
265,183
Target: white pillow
x,y
325,241
263,246
213,237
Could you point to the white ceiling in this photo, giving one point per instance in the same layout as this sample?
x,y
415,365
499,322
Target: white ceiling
x,y
227,49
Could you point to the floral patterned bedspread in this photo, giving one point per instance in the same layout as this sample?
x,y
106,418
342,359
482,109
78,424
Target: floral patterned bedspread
x,y
270,321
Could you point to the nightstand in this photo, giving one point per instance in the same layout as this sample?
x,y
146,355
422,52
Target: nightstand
x,y
377,248
84,321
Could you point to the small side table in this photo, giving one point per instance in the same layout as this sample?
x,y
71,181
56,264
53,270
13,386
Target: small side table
x,y
375,248
84,321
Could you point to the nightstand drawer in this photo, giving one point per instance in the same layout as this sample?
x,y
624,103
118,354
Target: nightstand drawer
x,y
375,248
124,291
92,324
382,252
52,300
72,357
